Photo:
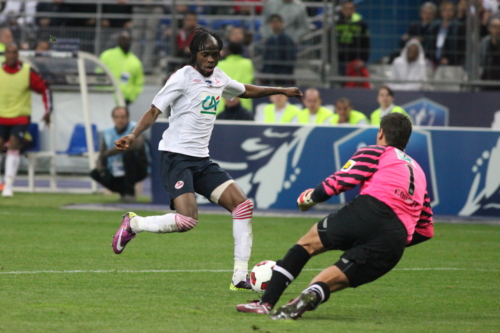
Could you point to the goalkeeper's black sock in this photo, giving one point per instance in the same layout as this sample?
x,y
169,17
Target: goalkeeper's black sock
x,y
322,292
285,271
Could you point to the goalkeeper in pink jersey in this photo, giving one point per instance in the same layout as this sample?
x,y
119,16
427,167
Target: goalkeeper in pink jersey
x,y
391,213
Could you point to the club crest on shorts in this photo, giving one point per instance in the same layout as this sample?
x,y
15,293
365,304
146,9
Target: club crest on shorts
x,y
179,185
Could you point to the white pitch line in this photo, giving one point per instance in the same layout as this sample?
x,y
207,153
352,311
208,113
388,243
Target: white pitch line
x,y
218,271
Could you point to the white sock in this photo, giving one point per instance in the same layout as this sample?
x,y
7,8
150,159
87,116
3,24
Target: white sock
x,y
11,166
162,223
242,233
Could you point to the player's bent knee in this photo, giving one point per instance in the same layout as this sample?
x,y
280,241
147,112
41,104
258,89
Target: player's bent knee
x,y
184,223
244,210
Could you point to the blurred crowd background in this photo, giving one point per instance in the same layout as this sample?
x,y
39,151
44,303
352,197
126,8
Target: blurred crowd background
x,y
408,45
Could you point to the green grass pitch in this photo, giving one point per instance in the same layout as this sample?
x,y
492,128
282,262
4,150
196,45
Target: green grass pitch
x,y
449,284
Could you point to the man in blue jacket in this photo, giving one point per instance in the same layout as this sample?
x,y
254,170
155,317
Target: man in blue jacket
x,y
116,170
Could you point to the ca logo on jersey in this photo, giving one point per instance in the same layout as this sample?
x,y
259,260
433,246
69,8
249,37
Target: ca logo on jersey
x,y
209,104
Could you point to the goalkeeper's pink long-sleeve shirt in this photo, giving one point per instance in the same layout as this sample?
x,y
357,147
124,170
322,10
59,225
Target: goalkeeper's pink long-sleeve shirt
x,y
392,177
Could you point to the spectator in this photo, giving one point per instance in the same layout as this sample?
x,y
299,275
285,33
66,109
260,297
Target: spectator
x,y
17,79
484,10
116,170
120,8
280,52
239,69
57,6
185,34
357,68
421,30
18,13
5,38
490,54
353,40
385,99
410,65
293,14
237,35
279,111
42,46
126,68
314,113
345,115
447,38
234,111
245,9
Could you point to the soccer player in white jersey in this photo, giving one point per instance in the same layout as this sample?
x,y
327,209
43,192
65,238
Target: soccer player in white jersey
x,y
193,93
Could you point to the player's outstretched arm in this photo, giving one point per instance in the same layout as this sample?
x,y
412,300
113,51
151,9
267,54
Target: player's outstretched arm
x,y
146,121
252,91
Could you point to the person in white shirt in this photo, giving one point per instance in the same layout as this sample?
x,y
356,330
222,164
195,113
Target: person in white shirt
x,y
193,94
411,66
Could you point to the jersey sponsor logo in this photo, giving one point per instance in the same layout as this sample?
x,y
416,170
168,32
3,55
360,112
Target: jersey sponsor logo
x,y
179,185
404,157
348,166
197,80
209,104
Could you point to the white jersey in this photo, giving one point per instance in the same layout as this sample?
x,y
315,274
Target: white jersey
x,y
193,99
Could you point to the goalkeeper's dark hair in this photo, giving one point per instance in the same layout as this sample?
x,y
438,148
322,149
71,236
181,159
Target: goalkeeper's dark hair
x,y
397,129
199,41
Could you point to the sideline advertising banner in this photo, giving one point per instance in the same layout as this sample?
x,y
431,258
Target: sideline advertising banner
x,y
274,164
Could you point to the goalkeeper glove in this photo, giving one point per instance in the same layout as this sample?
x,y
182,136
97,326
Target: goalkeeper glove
x,y
304,202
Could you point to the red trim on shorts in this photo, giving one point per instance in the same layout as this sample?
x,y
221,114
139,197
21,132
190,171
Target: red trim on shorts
x,y
23,120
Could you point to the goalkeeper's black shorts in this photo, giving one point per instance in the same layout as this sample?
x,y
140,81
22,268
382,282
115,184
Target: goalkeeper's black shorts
x,y
371,235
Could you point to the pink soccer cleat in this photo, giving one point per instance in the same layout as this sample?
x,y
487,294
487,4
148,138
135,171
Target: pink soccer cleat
x,y
255,307
124,234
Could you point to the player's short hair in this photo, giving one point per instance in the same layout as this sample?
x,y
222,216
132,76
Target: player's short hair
x,y
389,90
397,129
344,100
200,37
120,107
275,17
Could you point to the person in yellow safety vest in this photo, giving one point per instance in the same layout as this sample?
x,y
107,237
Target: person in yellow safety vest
x,y
314,113
345,115
385,99
126,67
279,111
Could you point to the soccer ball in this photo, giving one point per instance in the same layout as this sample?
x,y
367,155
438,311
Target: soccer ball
x,y
261,275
